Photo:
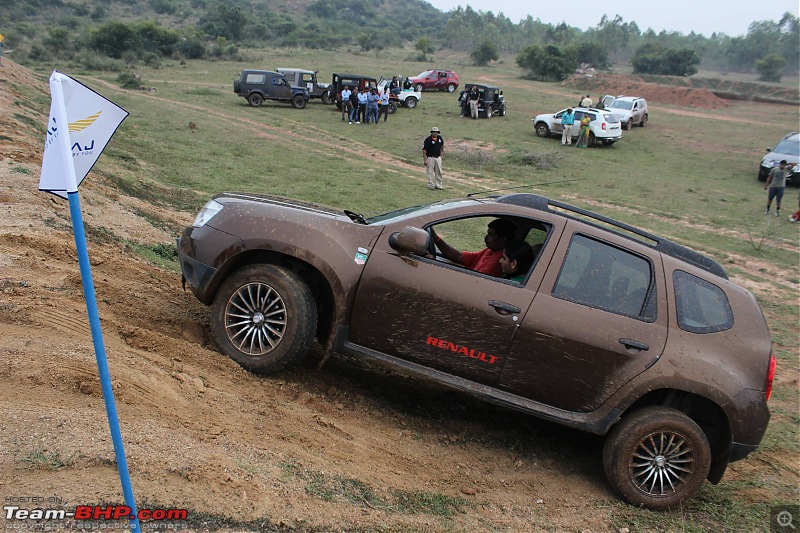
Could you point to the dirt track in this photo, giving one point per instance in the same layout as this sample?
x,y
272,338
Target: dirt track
x,y
203,434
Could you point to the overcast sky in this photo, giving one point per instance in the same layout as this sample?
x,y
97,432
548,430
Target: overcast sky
x,y
701,16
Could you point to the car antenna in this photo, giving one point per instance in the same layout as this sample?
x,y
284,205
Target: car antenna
x,y
470,195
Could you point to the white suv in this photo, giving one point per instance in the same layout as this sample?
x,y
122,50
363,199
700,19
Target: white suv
x,y
604,127
630,110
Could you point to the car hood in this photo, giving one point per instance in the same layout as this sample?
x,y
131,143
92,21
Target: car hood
x,y
772,159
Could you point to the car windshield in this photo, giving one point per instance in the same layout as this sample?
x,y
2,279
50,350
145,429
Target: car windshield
x,y
413,210
617,104
788,148
424,74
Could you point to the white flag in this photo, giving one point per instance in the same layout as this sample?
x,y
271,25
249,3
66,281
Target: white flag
x,y
81,124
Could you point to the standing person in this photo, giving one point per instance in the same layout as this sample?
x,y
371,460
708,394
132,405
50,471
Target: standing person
x,y
363,97
372,105
384,104
354,105
567,120
794,217
346,103
432,150
776,183
1,48
587,101
462,102
583,136
474,98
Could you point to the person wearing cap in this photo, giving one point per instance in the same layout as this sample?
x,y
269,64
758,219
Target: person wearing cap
x,y
776,183
432,150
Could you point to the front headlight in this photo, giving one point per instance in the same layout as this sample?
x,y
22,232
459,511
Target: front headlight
x,y
207,213
769,163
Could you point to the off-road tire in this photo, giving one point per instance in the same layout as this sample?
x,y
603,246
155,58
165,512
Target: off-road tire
x,y
542,130
326,97
264,318
392,108
629,124
488,112
411,102
418,87
298,102
643,121
592,140
656,441
451,88
255,100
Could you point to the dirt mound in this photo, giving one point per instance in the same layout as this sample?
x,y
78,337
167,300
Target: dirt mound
x,y
601,84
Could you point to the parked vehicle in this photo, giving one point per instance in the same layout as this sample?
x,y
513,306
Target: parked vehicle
x,y
435,79
405,97
787,149
492,101
307,78
605,126
255,86
613,330
340,81
630,110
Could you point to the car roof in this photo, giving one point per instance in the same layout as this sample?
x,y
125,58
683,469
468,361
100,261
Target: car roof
x,y
302,71
354,76
480,86
628,98
660,244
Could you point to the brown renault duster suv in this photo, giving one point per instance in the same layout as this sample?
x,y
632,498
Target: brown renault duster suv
x,y
613,330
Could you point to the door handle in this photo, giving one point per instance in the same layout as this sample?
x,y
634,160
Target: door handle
x,y
630,343
504,308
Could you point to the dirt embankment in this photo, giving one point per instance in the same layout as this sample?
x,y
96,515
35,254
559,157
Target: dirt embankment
x,y
601,84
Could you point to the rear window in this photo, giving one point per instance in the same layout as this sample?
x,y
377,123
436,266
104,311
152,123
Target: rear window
x,y
611,118
606,277
255,78
619,104
702,307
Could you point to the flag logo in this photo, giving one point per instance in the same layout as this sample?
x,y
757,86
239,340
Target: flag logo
x,y
80,125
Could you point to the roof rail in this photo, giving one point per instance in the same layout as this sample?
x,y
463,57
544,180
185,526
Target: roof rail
x,y
660,244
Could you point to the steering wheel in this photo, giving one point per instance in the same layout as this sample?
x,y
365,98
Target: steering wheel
x,y
356,217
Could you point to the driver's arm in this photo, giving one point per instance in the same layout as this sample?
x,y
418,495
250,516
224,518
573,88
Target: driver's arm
x,y
450,253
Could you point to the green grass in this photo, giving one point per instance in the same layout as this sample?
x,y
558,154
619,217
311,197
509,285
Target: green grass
x,y
39,458
690,176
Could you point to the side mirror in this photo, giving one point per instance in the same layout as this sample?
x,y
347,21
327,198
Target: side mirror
x,y
410,240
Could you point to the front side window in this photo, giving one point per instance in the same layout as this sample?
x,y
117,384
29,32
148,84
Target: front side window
x,y
606,277
702,307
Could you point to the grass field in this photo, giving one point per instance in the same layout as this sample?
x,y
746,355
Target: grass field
x,y
690,175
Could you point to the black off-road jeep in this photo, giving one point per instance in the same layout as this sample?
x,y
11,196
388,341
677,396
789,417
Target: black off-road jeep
x,y
259,85
492,101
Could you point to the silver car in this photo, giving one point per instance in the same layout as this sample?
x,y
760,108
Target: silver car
x,y
630,110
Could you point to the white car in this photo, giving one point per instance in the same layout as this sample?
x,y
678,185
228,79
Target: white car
x,y
630,110
406,97
604,127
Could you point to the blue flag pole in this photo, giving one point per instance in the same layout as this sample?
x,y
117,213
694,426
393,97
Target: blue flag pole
x,y
100,355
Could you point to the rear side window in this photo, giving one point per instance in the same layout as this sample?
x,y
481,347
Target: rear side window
x,y
255,78
604,276
702,306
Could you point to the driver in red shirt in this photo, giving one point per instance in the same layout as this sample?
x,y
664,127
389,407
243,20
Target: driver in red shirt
x,y
487,261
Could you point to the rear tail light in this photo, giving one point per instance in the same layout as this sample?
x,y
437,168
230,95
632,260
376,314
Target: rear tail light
x,y
770,375
603,126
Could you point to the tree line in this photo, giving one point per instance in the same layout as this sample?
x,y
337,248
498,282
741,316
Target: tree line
x,y
149,30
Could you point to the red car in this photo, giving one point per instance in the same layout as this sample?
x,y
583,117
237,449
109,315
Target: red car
x,y
436,79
